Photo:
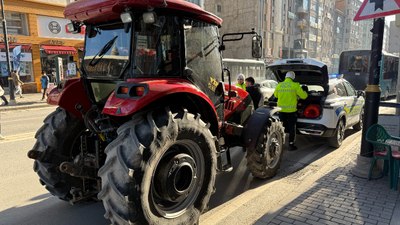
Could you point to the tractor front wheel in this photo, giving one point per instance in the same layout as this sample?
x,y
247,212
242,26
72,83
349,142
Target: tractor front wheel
x,y
264,161
161,169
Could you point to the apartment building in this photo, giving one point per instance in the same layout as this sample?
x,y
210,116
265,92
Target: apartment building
x,y
394,37
242,16
197,2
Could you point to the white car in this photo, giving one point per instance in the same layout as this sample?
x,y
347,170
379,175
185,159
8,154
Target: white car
x,y
267,88
332,105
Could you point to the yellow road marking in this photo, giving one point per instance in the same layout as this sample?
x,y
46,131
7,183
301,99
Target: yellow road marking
x,y
18,137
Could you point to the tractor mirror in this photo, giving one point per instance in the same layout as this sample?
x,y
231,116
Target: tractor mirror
x,y
73,27
256,47
92,31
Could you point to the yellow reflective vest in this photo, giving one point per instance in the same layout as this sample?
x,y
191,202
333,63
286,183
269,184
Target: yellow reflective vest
x,y
287,93
242,86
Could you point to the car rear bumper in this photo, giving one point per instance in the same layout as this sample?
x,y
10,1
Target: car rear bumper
x,y
314,130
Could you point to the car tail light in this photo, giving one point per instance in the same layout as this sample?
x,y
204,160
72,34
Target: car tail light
x,y
312,111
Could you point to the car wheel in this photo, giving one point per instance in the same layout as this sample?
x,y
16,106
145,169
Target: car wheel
x,y
337,139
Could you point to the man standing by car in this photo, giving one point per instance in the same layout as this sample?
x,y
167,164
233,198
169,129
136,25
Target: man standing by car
x,y
254,92
288,93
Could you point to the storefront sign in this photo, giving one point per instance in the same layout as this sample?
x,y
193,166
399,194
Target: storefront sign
x,y
55,27
56,42
10,39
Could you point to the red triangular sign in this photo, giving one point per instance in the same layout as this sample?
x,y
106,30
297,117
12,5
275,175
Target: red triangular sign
x,y
377,8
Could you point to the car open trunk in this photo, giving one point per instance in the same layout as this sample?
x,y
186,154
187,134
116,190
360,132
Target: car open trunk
x,y
308,71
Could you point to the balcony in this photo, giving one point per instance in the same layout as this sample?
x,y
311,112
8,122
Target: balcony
x,y
301,11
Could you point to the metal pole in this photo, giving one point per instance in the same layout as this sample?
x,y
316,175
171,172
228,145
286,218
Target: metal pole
x,y
10,81
373,91
373,94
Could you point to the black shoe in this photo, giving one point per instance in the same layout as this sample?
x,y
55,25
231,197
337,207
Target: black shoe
x,y
292,147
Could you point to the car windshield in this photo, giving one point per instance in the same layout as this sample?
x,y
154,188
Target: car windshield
x,y
106,51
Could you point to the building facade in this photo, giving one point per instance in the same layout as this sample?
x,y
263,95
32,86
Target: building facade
x,y
394,37
197,2
242,16
39,41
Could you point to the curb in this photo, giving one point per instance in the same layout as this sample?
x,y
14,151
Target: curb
x,y
19,107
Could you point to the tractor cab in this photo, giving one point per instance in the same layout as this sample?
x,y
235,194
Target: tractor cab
x,y
150,45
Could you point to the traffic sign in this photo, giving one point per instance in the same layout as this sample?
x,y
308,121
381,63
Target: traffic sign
x,y
377,8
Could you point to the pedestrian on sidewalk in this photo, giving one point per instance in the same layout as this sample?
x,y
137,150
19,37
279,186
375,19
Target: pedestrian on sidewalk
x,y
44,80
2,92
288,93
254,92
17,83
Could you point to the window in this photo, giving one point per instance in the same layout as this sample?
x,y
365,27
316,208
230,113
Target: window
x,y
350,89
340,90
219,8
16,23
203,59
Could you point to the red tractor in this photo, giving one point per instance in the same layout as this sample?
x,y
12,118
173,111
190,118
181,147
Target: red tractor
x,y
154,115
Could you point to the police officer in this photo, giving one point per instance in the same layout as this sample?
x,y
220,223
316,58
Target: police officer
x,y
240,83
287,93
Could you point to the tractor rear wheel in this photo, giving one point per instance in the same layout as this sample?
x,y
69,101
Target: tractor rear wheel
x,y
160,169
264,161
58,140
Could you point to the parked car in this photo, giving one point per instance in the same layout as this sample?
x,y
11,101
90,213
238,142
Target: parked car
x,y
332,105
267,87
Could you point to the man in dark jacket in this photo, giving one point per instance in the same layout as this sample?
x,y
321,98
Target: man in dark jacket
x,y
254,92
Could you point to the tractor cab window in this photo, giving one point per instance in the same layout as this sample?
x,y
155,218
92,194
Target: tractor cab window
x,y
203,58
157,51
107,50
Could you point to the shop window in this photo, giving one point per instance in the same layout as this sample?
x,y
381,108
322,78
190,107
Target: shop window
x,y
16,23
21,62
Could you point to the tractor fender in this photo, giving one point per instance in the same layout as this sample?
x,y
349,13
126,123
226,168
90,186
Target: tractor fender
x,y
256,125
68,95
158,93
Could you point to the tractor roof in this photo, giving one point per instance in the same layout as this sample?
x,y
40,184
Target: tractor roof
x,y
107,10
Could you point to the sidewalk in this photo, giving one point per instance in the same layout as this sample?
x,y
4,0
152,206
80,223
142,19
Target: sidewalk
x,y
322,192
31,100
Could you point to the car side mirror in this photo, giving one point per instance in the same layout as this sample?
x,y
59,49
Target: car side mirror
x,y
256,46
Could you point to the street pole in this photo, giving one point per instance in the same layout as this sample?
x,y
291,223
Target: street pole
x,y
10,81
373,94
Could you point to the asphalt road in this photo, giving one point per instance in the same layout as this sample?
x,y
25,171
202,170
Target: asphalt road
x,y
23,200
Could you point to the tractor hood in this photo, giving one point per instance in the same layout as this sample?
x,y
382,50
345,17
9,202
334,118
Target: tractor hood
x,y
308,71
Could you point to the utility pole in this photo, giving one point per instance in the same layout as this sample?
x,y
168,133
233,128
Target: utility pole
x,y
10,81
373,94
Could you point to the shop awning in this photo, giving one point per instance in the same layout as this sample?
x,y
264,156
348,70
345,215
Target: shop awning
x,y
59,50
12,46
